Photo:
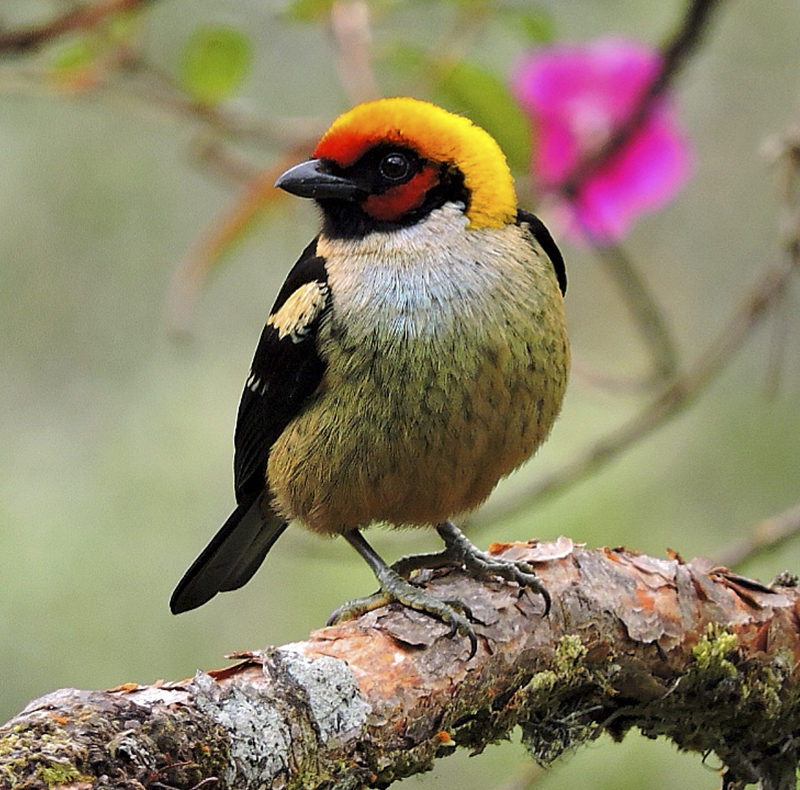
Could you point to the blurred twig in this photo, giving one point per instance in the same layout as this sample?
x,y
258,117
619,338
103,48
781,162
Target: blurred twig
x,y
193,271
158,94
350,28
154,94
645,311
644,308
529,776
761,538
785,152
19,42
454,44
679,394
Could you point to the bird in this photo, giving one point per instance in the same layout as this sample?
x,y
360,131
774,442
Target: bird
x,y
416,354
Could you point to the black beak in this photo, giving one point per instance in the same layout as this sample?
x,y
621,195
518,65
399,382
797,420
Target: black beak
x,y
311,179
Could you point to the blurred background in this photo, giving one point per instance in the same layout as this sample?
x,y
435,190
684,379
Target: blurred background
x,y
115,434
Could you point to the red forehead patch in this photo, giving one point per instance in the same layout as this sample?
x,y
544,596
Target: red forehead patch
x,y
346,146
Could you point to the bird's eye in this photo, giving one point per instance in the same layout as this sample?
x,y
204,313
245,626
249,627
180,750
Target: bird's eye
x,y
394,167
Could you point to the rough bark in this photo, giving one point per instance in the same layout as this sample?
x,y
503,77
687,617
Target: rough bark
x,y
696,654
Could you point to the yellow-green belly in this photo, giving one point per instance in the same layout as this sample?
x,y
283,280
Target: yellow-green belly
x,y
416,435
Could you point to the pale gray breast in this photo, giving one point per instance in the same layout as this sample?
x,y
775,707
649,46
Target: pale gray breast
x,y
435,280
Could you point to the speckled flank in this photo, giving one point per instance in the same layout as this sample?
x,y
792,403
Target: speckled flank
x,y
437,348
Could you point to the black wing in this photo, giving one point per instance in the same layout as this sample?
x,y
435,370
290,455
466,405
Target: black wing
x,y
286,370
542,235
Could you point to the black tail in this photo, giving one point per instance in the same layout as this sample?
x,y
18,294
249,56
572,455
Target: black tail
x,y
234,554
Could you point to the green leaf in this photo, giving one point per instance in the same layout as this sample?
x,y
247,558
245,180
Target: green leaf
x,y
215,62
485,99
405,58
74,56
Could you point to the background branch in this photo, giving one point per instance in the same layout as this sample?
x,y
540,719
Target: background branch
x,y
644,307
678,394
765,536
673,400
19,42
645,310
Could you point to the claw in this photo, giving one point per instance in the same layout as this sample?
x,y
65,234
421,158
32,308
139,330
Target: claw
x,y
395,587
547,600
457,603
421,601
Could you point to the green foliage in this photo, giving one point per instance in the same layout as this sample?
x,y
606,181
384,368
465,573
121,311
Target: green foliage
x,y
215,62
121,28
77,54
308,10
74,56
537,24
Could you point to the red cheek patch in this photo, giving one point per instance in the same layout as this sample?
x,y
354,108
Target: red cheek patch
x,y
393,204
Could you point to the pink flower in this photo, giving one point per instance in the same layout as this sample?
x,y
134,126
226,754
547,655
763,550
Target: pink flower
x,y
576,97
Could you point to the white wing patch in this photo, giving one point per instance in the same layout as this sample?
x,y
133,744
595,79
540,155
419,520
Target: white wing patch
x,y
299,311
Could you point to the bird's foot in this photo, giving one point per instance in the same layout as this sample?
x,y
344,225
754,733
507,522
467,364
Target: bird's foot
x,y
460,551
394,587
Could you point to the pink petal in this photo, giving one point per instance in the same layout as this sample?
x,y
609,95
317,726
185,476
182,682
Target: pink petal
x,y
576,96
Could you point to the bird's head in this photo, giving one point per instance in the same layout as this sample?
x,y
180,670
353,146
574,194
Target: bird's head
x,y
389,163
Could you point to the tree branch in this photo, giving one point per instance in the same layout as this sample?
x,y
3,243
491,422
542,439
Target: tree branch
x,y
701,656
20,42
767,535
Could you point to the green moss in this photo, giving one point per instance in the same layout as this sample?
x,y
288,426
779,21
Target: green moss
x,y
566,667
713,650
569,652
542,682
742,705
57,774
560,701
23,761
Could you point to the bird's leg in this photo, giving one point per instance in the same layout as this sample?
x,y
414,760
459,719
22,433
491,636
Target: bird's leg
x,y
395,587
459,550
